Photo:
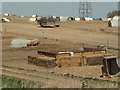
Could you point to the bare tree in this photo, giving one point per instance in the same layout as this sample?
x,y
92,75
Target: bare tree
x,y
113,13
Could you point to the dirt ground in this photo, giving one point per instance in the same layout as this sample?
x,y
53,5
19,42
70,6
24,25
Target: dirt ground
x,y
70,35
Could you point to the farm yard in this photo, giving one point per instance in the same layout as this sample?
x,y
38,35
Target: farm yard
x,y
71,35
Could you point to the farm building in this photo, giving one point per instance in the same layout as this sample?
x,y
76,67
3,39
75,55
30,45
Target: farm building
x,y
70,18
32,19
63,18
5,20
54,17
38,18
114,22
67,58
22,16
103,19
34,16
109,19
6,14
77,19
87,19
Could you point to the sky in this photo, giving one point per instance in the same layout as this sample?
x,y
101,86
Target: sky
x,y
99,9
59,0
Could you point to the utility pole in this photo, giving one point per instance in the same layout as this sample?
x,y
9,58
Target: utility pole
x,y
85,9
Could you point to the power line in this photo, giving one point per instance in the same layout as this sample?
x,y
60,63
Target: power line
x,y
85,9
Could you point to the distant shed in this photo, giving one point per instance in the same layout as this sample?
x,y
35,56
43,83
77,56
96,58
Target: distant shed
x,y
34,16
103,19
63,18
114,22
109,19
70,18
5,19
33,19
87,19
77,19
22,16
6,14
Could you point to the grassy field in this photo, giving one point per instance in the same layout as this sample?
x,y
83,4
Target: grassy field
x,y
13,82
84,82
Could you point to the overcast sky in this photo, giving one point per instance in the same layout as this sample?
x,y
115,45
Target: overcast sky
x,y
99,9
59,0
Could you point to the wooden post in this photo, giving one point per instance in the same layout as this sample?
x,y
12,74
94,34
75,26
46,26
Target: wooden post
x,y
107,68
43,35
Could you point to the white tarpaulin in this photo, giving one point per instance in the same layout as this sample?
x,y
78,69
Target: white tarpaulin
x,y
23,42
19,43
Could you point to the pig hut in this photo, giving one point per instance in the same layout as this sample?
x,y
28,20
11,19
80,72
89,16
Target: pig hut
x,y
43,58
93,55
55,58
68,58
110,66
